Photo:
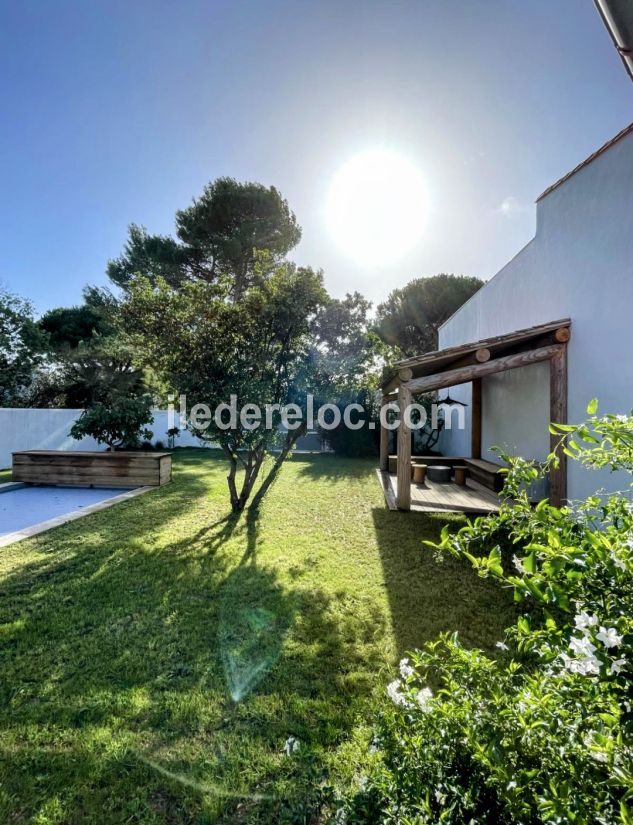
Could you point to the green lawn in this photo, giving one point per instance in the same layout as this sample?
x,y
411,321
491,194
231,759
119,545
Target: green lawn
x,y
5,475
155,657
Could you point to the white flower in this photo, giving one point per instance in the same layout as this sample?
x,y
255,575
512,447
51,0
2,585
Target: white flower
x,y
582,647
362,782
405,669
423,698
609,638
584,620
395,694
586,665
622,418
519,565
589,666
511,785
502,646
617,665
291,746
618,562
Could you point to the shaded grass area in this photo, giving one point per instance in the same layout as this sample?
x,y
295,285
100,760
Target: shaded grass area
x,y
5,475
155,657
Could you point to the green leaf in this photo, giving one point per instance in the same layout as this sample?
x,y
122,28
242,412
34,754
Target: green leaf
x,y
494,561
592,406
529,563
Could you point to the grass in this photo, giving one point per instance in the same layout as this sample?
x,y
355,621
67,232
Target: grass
x,y
5,475
155,657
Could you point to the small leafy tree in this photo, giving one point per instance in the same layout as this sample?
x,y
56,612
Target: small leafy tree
x,y
361,442
213,347
172,435
120,424
100,374
91,360
543,733
347,356
22,349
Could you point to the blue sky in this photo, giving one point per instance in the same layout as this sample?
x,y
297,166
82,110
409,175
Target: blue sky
x,y
121,111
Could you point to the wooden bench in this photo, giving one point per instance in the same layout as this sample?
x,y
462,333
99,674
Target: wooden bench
x,y
486,473
92,469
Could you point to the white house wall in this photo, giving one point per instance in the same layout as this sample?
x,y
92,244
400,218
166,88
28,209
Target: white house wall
x,y
579,265
516,416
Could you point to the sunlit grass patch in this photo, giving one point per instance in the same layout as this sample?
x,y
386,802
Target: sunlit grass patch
x,y
156,657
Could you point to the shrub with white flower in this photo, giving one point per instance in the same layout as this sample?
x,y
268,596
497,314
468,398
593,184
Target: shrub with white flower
x,y
543,733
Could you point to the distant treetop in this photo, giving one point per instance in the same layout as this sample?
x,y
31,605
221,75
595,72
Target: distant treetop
x,y
217,237
410,318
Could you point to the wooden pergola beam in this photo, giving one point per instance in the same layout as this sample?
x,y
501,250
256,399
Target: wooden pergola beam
x,y
462,375
509,339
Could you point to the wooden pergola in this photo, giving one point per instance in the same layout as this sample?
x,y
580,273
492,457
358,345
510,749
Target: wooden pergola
x,y
471,363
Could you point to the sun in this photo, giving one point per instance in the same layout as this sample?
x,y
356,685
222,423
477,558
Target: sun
x,y
377,206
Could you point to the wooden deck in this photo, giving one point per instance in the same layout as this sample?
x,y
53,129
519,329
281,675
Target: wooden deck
x,y
431,497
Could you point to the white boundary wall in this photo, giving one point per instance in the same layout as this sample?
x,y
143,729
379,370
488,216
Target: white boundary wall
x,y
47,429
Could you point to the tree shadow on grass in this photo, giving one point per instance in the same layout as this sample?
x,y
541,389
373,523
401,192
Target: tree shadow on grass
x,y
428,596
120,662
335,468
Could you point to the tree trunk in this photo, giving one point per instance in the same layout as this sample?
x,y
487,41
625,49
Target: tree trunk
x,y
252,466
251,474
235,499
291,439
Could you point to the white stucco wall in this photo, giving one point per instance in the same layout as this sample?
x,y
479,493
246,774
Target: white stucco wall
x,y
579,265
47,429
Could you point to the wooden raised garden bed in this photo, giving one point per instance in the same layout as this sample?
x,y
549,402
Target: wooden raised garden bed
x,y
92,469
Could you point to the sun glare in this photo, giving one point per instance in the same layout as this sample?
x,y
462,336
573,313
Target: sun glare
x,y
376,207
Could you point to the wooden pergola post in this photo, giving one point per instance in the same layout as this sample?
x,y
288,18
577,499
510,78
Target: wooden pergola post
x,y
384,438
558,415
403,495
